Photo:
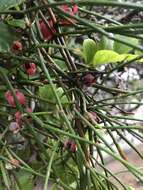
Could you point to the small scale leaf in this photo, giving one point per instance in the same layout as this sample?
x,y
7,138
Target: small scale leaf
x,y
7,4
89,49
105,44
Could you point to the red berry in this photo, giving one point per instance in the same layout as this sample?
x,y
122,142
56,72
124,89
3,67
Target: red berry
x,y
18,115
65,8
73,147
17,45
20,96
31,68
69,10
48,33
88,79
75,9
29,110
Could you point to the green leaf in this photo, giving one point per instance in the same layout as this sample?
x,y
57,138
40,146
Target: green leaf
x,y
7,4
129,57
7,36
122,48
89,49
5,175
25,179
109,56
105,44
46,93
131,188
61,64
106,56
65,174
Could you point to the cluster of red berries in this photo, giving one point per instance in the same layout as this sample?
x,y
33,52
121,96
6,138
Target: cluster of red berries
x,y
16,125
20,97
49,32
30,68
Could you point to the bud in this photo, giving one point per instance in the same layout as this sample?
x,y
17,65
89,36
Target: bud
x,y
48,33
14,127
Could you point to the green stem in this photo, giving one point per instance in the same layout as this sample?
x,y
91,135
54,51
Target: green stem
x,y
49,167
100,30
82,3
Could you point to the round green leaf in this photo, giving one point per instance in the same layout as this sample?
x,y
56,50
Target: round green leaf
x,y
106,56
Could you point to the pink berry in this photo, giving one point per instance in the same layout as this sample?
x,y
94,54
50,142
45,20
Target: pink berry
x,y
29,110
73,147
31,68
69,10
20,96
75,9
65,8
18,117
10,98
